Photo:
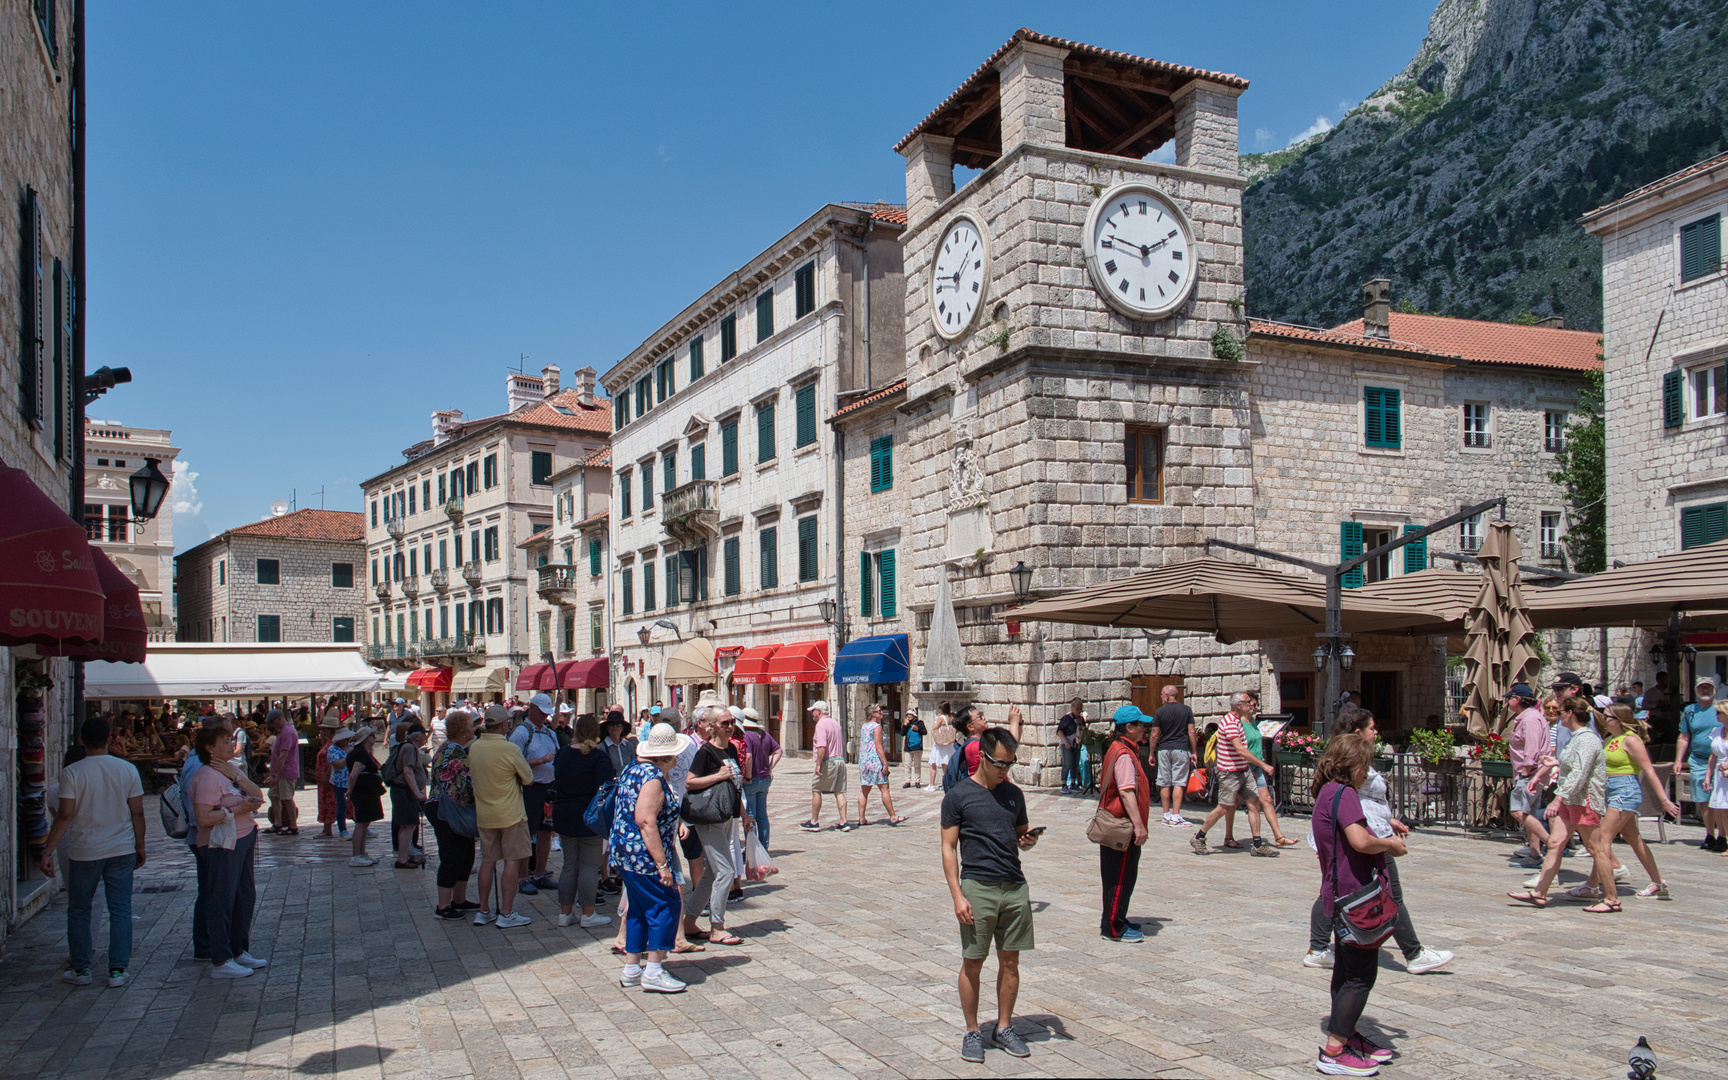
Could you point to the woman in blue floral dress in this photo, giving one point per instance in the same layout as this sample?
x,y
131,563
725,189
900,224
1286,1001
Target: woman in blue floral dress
x,y
872,770
644,829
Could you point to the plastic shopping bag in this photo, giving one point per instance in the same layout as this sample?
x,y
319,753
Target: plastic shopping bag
x,y
758,865
223,835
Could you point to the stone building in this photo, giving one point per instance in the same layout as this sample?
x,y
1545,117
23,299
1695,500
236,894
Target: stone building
x,y
452,586
295,577
1665,323
724,524
569,612
144,551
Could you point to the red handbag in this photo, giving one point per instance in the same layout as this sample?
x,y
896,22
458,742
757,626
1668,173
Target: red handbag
x,y
1368,916
1197,781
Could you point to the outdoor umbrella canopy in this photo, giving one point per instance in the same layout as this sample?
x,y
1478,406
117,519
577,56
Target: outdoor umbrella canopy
x,y
1692,583
1449,594
49,591
1501,647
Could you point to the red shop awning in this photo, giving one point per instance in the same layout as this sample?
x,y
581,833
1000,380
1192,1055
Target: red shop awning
x,y
49,591
125,637
592,674
535,677
752,664
432,680
802,662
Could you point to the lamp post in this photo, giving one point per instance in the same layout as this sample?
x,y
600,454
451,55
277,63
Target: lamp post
x,y
642,634
828,609
1021,578
148,487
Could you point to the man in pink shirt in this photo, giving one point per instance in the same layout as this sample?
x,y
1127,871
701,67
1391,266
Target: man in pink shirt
x,y
828,747
284,773
1528,743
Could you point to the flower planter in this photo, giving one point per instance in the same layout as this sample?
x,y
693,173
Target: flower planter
x,y
1291,757
1496,768
1444,765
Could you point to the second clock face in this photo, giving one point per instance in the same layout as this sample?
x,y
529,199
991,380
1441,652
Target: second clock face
x,y
1140,251
959,276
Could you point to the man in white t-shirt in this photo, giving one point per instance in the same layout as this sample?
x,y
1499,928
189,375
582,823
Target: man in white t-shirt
x,y
101,821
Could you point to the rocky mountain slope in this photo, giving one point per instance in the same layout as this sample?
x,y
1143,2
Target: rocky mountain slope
x,y
1463,177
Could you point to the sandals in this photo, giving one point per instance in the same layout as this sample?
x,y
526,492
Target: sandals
x,y
1285,841
1604,907
896,820
725,939
1657,890
689,947
1533,899
1582,892
1232,844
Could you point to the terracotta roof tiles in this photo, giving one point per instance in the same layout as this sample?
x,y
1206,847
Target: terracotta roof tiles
x,y
869,399
1656,185
1444,338
892,213
336,525
599,459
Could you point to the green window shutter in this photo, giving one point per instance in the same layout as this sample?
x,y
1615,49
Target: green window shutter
x,y
669,467
696,367
1701,525
729,448
629,591
674,594
623,495
806,399
765,432
866,585
804,280
729,554
1701,248
648,585
1673,398
728,338
807,566
769,540
647,486
885,571
699,461
594,558
882,463
1415,552
1381,422
1350,546
764,316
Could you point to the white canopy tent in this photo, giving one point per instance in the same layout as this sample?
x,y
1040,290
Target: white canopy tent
x,y
233,670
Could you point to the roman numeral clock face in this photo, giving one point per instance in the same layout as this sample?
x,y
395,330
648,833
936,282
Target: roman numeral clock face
x,y
959,277
1140,251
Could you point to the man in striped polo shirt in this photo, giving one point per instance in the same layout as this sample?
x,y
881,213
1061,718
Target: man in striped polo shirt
x,y
1234,757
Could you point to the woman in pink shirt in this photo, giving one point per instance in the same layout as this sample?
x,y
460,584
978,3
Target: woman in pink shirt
x,y
222,797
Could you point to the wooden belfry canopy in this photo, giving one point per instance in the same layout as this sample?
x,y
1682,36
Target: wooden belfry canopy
x,y
1116,103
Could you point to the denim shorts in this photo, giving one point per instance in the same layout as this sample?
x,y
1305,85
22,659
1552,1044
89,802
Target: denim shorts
x,y
1625,793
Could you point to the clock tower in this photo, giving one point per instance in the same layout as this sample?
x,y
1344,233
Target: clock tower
x,y
1076,399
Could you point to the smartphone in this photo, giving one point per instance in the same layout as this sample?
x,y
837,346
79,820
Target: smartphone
x,y
1037,831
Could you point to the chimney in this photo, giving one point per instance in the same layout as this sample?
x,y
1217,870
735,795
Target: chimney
x,y
585,377
1553,322
444,424
549,379
520,390
1377,309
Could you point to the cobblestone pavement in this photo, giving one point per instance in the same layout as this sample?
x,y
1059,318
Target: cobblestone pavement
x,y
848,969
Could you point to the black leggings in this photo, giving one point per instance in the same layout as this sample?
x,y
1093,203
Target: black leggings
x,y
1403,930
455,852
1353,974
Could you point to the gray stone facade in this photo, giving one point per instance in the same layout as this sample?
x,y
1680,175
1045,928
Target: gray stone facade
x,y
296,594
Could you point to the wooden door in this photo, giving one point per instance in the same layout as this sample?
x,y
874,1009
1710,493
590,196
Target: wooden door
x,y
1146,692
1296,697
1380,697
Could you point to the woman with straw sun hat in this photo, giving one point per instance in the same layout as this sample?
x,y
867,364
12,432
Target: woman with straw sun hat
x,y
644,827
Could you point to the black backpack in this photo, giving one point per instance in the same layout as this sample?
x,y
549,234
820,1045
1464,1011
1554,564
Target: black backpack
x,y
392,770
956,770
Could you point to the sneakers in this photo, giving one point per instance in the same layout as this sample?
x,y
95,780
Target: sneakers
x,y
81,977
1006,1038
627,980
972,1047
809,826
661,983
1130,936
590,922
1524,853
546,882
1525,864
1262,848
447,912
567,918
1321,959
230,970
515,918
246,959
1532,881
845,826
118,977
482,917
1622,874
1428,960
1198,843
1719,845
1346,1062
465,905
1368,1048
362,860
527,887
929,787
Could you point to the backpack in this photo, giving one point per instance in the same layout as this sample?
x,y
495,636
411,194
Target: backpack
x,y
1210,756
956,770
391,773
173,810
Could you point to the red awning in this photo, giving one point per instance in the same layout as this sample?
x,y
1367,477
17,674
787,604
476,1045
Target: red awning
x,y
125,637
584,674
535,677
802,662
752,664
728,650
49,590
432,680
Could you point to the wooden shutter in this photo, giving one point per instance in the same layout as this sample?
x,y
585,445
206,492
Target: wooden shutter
x,y
1415,552
729,448
882,463
1350,546
885,573
594,558
729,555
866,585
699,461
807,565
764,316
629,591
769,540
1381,425
61,384
1701,248
1673,398
696,367
806,404
674,592
1701,525
30,388
765,432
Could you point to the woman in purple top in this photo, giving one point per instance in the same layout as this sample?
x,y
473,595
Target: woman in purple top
x,y
1350,857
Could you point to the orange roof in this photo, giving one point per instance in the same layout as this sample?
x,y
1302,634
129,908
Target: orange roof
x,y
599,459
337,525
1293,332
538,536
565,410
869,399
1672,178
1446,338
892,213
587,521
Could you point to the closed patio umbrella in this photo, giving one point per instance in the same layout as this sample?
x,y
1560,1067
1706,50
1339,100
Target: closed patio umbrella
x,y
1501,647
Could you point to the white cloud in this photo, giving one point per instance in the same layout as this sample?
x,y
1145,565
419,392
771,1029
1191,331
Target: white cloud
x,y
1320,126
185,489
1262,139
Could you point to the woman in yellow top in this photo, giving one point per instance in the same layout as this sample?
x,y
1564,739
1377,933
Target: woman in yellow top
x,y
1629,769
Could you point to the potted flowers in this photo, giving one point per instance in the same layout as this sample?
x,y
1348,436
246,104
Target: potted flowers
x,y
1494,755
1434,750
1299,747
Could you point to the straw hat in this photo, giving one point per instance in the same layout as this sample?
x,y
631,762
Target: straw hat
x,y
708,699
663,741
751,719
362,733
342,735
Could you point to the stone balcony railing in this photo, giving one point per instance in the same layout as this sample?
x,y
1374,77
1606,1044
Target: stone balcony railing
x,y
453,508
557,581
471,572
691,512
395,528
411,587
441,580
382,589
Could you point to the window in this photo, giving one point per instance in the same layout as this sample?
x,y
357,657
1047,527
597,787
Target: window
x,y
1673,398
1378,568
443,554
732,583
569,624
665,379
669,470
1416,551
47,22
624,479
1701,525
1350,546
629,591
342,575
620,411
491,543
1549,534
413,563
426,494
1554,431
1143,452
882,463
887,593
540,467
1470,534
491,471
676,591
33,384
1700,248
729,447
806,414
269,572
473,478
699,461
696,366
374,628
397,564
1709,396
765,432
648,586
473,547
495,615
269,628
728,338
401,627
374,571
769,540
644,395
1382,427
342,628
119,523
647,471
61,386
807,563
400,496
1476,425
545,623
222,572
764,315
594,558
476,617
876,586
596,631
804,289
374,513
443,492
444,620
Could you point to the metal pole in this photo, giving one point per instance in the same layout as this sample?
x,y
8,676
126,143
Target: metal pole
x,y
1676,689
1334,645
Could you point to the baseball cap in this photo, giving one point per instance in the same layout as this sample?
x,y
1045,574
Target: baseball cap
x,y
817,706
399,701
496,714
1705,680
564,707
1602,701
542,702
653,710
1521,690
1567,678
1128,714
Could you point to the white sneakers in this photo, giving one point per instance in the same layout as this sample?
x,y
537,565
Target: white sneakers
x,y
1318,959
567,918
246,959
482,917
1428,960
76,978
589,922
1622,874
658,982
362,860
230,970
1177,821
515,918
117,979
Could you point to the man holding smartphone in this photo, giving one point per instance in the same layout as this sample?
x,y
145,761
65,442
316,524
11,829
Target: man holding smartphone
x,y
984,829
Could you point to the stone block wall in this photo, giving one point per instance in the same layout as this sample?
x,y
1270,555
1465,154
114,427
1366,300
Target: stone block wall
x,y
305,587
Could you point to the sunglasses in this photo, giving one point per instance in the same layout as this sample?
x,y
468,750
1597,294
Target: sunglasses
x,y
1000,764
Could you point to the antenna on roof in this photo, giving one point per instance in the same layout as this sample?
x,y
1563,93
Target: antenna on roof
x,y
320,494
522,365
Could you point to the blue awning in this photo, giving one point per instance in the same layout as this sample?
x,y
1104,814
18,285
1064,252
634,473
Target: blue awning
x,y
885,658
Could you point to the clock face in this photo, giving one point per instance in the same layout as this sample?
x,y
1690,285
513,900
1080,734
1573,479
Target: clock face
x,y
959,276
1140,251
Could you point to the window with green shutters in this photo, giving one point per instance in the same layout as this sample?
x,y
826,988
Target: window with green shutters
x,y
729,447
1673,398
624,479
733,584
876,586
644,395
619,408
1382,426
806,399
807,563
866,584
886,600
596,632
1700,248
629,592
728,338
647,486
669,470
1350,546
594,558
648,585
699,461
539,469
1701,525
674,594
769,540
882,463
765,432
1415,552
569,624
804,288
696,358
764,316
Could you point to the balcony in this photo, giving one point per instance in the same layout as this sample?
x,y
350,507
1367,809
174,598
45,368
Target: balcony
x,y
453,508
382,589
411,587
471,573
1478,440
395,528
384,652
441,580
557,582
691,512
455,647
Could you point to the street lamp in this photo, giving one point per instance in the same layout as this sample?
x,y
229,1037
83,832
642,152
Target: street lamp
x,y
1320,658
1021,576
149,487
1347,657
642,635
828,608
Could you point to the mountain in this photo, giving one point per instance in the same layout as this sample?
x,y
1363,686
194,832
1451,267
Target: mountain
x,y
1462,179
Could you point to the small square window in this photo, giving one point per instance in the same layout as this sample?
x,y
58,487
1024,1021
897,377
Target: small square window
x,y
269,572
342,575
269,628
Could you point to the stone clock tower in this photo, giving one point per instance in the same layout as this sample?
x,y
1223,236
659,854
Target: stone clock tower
x,y
1071,403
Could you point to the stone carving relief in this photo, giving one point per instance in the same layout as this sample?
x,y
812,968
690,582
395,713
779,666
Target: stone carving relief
x,y
965,473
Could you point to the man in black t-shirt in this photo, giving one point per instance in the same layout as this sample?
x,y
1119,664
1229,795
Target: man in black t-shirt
x,y
984,829
1178,748
1068,740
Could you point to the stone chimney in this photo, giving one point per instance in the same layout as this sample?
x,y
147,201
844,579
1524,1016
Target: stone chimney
x,y
1377,309
549,379
520,390
585,378
1553,322
444,424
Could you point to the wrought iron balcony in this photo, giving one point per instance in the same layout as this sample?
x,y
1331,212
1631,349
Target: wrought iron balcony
x,y
386,651
692,511
557,581
382,588
459,645
453,508
395,528
441,580
411,587
471,572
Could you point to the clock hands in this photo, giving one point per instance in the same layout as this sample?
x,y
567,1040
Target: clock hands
x,y
1146,250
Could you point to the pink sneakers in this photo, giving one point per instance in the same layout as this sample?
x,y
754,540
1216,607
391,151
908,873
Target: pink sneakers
x,y
1346,1062
1367,1048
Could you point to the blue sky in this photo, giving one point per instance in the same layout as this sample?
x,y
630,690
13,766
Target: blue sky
x,y
312,224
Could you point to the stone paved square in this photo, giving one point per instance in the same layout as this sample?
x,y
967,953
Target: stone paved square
x,y
849,968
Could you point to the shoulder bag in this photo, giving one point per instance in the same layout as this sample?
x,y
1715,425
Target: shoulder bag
x,y
1366,917
712,805
1105,828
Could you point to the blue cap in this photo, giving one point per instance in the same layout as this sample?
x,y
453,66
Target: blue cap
x,y
654,710
1128,714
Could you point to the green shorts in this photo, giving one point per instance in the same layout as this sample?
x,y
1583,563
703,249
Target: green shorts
x,y
1001,912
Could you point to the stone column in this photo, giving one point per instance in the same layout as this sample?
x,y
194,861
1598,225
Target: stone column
x,y
1206,126
929,175
1033,109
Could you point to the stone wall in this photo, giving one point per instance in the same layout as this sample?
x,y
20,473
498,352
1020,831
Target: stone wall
x,y
305,588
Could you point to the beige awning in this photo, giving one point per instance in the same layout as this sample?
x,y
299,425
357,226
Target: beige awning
x,y
1446,593
228,670
1693,583
480,681
692,662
